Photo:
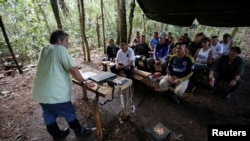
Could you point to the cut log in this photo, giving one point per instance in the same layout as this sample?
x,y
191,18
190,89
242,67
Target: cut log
x,y
142,73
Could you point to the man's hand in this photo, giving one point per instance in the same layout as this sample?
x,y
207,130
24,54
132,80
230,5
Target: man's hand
x,y
176,81
157,61
232,83
90,84
119,66
170,79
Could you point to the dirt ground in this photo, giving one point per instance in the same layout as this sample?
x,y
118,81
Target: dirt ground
x,y
21,117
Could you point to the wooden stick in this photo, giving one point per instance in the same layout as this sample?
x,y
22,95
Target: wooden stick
x,y
97,120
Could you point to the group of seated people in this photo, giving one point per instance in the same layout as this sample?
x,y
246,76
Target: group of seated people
x,y
182,61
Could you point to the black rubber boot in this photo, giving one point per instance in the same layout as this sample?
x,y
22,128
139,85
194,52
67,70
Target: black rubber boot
x,y
56,133
78,129
173,96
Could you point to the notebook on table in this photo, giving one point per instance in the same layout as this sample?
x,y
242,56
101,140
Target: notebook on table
x,y
102,77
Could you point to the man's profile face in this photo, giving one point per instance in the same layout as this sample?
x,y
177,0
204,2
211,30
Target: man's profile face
x,y
64,42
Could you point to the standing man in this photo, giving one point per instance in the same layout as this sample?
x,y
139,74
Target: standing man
x,y
125,60
179,72
228,68
52,86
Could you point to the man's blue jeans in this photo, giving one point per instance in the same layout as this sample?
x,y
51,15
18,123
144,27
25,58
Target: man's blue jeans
x,y
52,111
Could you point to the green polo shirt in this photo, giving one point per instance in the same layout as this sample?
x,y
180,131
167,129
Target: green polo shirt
x,y
52,81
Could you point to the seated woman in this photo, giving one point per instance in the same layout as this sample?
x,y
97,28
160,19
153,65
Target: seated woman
x,y
203,59
179,72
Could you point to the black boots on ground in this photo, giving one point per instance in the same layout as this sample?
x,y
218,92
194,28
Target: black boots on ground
x,y
173,96
78,129
56,133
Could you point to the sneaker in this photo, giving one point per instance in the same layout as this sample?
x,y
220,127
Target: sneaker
x,y
83,131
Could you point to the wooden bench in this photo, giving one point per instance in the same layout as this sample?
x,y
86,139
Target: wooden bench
x,y
142,73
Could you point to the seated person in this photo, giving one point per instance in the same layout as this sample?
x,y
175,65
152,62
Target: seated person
x,y
195,44
111,51
203,59
135,40
216,47
124,60
160,55
141,52
179,72
228,68
227,43
153,41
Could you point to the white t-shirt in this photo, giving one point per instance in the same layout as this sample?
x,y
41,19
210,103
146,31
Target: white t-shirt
x,y
202,56
125,57
217,49
226,47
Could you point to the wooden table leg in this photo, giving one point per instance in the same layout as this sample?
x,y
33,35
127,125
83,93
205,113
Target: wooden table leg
x,y
105,67
84,91
97,120
126,102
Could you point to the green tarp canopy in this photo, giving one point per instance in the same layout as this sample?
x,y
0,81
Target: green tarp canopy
x,y
219,13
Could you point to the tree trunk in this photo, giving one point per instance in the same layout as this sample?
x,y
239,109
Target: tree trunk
x,y
234,31
98,32
44,17
9,46
56,13
144,24
103,29
122,22
83,29
117,24
81,25
131,16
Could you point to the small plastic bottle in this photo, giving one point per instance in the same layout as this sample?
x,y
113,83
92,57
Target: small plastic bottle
x,y
122,100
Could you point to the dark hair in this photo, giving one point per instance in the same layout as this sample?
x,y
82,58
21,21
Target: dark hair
x,y
205,39
226,35
214,36
237,49
57,34
123,41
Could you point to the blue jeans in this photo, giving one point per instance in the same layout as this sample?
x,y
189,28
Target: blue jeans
x,y
52,111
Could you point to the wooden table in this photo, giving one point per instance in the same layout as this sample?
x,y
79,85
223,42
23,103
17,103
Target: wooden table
x,y
104,91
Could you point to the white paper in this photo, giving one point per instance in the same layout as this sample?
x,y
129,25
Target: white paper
x,y
87,74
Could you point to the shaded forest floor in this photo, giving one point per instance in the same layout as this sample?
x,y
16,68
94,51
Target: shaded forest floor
x,y
21,117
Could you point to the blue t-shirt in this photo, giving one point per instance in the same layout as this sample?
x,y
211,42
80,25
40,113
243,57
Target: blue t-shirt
x,y
180,67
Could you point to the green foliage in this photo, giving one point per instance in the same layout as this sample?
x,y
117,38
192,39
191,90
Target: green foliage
x,y
28,24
